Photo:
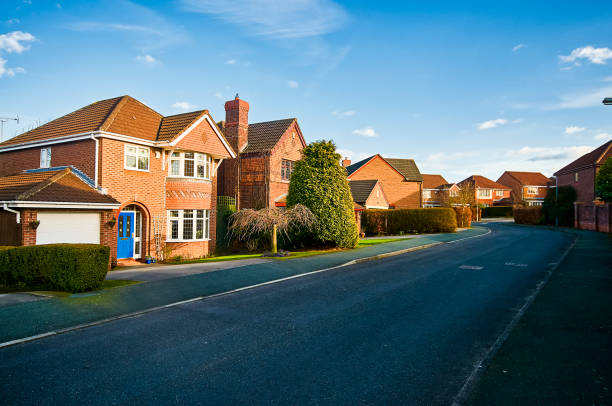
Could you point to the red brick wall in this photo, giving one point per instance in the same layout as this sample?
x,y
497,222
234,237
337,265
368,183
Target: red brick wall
x,y
80,154
585,187
596,217
28,234
377,198
289,147
399,192
204,139
108,234
253,190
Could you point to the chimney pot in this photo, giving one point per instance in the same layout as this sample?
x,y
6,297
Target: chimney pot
x,y
346,162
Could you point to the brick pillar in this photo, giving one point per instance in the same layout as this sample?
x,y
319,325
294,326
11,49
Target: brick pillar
x,y
212,244
28,234
576,212
108,234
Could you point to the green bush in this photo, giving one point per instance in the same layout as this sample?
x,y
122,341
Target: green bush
x,y
319,183
497,211
528,215
603,181
464,216
65,267
561,206
395,222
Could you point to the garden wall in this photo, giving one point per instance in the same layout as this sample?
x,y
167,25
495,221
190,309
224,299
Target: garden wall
x,y
592,216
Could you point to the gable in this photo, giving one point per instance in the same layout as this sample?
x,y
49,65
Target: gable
x,y
291,143
377,197
376,168
202,137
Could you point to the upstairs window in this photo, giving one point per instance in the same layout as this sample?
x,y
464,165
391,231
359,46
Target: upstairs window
x,y
499,193
484,193
426,194
286,169
136,158
190,165
531,190
45,157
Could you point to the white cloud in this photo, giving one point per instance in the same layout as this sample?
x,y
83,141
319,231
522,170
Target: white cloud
x,y
13,21
602,136
292,84
535,154
492,123
597,56
274,19
183,105
147,59
342,114
366,132
517,47
607,79
13,41
231,62
573,129
353,156
588,98
10,72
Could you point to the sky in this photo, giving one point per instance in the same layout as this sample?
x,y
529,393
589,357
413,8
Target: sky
x,y
474,87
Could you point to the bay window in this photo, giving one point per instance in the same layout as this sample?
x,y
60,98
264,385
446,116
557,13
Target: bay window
x,y
190,165
136,158
188,225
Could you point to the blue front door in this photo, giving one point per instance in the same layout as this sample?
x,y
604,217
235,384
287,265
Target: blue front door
x,y
125,235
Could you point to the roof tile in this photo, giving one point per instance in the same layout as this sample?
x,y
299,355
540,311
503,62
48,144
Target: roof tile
x,y
591,158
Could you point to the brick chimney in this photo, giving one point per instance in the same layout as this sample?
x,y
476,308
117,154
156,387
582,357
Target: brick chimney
x,y
346,162
237,123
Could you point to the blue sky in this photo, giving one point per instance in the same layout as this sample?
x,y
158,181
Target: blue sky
x,y
461,87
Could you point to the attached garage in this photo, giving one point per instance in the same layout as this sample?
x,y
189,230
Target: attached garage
x,y
68,227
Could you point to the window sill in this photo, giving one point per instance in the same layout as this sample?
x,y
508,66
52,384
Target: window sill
x,y
200,240
187,178
135,169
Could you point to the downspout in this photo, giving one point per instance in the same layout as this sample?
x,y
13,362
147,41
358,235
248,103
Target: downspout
x,y
17,212
97,143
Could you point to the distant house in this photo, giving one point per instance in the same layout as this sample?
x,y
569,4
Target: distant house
x,y
580,174
400,179
437,191
487,192
368,194
527,187
259,176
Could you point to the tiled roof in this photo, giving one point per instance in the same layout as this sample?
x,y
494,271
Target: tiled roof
x,y
171,126
407,167
264,136
593,157
529,178
361,189
120,115
482,182
52,186
433,181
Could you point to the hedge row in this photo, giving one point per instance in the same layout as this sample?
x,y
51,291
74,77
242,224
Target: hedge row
x,y
464,216
396,222
497,211
65,267
528,215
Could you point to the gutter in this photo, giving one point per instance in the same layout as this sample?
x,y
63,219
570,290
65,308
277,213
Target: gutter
x,y
17,212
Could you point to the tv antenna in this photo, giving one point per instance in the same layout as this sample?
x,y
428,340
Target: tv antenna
x,y
4,120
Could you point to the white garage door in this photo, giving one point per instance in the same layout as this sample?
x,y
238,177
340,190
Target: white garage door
x,y
68,227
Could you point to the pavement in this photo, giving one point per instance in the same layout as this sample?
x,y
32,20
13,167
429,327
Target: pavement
x,y
408,329
22,320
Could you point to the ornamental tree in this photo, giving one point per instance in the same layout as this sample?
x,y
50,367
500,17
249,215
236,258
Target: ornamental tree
x,y
603,181
319,183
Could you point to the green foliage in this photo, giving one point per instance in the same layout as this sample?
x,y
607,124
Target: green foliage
x,y
319,183
603,181
392,222
464,216
224,212
497,211
528,215
561,206
66,267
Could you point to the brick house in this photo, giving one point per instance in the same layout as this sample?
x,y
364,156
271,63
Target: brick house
x,y
487,192
267,151
400,179
37,203
437,191
368,194
161,169
528,188
581,173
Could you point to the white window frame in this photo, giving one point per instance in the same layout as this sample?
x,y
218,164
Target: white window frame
x,y
426,194
482,195
45,157
287,165
141,152
198,159
499,193
178,217
532,190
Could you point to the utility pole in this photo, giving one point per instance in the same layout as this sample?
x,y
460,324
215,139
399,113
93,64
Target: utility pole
x,y
4,120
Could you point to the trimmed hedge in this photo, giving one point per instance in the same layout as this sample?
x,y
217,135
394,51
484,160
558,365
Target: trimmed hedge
x,y
396,222
528,215
497,211
561,206
65,267
464,216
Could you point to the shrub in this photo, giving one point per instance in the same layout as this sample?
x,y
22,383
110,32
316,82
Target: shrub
x,y
561,206
476,215
394,222
67,267
319,183
497,211
528,215
464,216
603,181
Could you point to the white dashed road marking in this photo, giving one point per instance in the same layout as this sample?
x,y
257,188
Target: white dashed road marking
x,y
475,267
516,265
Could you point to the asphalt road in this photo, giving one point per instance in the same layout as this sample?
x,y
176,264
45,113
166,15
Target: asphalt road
x,y
403,330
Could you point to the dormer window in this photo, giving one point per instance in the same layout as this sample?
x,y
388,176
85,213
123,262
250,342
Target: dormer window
x,y
190,165
45,157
